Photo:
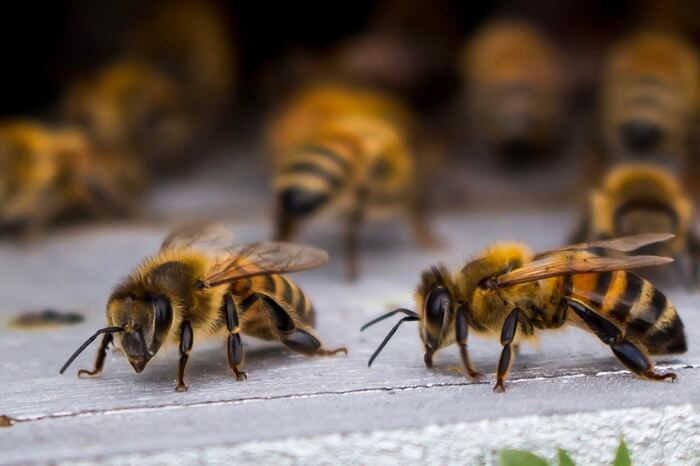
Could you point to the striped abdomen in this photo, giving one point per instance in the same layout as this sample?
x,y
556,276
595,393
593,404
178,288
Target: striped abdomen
x,y
293,308
643,312
651,110
314,175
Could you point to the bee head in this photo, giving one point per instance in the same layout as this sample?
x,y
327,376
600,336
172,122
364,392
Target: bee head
x,y
145,322
436,304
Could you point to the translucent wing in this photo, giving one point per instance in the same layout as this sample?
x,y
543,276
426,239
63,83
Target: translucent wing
x,y
622,244
570,264
264,258
205,236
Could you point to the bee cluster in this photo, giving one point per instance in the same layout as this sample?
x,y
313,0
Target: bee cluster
x,y
406,114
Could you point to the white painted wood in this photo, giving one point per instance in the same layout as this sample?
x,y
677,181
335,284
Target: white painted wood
x,y
287,395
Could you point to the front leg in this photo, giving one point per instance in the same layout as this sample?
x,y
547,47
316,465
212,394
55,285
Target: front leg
x,y
186,340
99,359
234,347
510,326
462,333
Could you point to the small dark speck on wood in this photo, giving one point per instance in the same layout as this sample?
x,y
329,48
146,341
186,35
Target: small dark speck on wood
x,y
46,318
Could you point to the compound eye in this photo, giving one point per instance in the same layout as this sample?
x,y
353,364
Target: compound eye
x,y
435,306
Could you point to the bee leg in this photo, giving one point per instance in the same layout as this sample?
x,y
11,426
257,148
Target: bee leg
x,y
295,338
186,341
632,357
462,333
285,227
304,342
352,233
694,253
100,359
507,334
234,347
421,231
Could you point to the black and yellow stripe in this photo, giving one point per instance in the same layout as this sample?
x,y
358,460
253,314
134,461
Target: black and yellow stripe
x,y
641,310
282,290
320,170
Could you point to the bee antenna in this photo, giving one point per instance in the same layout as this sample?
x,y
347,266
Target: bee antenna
x,y
387,315
409,318
87,343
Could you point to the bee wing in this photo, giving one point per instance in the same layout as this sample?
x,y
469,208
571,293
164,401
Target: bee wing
x,y
564,264
205,236
268,257
622,244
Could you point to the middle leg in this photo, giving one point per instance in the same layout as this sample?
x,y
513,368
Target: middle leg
x,y
234,346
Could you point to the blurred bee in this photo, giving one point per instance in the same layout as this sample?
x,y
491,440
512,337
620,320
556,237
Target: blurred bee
x,y
189,42
650,99
196,288
131,107
348,150
49,174
509,291
515,96
641,198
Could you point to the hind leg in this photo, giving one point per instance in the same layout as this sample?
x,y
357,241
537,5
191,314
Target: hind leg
x,y
292,335
630,355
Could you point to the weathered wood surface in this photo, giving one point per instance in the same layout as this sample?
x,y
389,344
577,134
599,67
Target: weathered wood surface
x,y
287,395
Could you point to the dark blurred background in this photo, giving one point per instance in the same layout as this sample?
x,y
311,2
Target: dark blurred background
x,y
47,44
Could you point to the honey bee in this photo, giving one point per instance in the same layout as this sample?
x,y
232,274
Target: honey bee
x,y
515,97
641,198
510,292
47,174
189,42
349,151
650,96
131,107
196,288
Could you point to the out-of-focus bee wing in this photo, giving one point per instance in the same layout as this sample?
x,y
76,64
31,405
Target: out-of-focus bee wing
x,y
622,244
205,236
268,257
564,264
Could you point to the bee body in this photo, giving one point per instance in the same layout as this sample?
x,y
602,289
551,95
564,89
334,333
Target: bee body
x,y
509,293
515,94
197,287
49,174
345,150
650,100
130,106
636,198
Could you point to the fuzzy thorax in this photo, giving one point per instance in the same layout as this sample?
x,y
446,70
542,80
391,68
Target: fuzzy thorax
x,y
173,274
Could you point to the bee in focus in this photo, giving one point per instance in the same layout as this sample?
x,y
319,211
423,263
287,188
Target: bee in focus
x,y
49,174
351,151
131,107
196,288
188,41
515,93
650,95
641,198
509,291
